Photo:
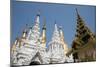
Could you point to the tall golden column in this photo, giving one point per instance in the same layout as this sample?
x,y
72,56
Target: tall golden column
x,y
44,34
65,46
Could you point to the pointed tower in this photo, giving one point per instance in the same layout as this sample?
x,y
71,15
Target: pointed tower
x,y
13,48
24,34
32,46
84,42
65,46
55,48
56,36
82,31
14,51
29,33
44,34
23,38
34,33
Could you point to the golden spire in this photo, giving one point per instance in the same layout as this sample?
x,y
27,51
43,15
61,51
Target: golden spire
x,y
63,41
44,25
13,49
44,33
61,33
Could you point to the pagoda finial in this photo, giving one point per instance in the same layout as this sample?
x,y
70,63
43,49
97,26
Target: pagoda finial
x,y
56,28
44,24
16,40
60,27
78,16
26,25
61,32
76,11
55,22
37,20
25,31
38,13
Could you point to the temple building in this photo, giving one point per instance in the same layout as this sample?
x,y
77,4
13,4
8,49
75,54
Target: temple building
x,y
31,48
84,43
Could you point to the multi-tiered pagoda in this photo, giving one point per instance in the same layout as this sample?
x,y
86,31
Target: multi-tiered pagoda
x,y
84,44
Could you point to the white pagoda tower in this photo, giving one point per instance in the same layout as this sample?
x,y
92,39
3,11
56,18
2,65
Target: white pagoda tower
x,y
55,48
30,45
32,48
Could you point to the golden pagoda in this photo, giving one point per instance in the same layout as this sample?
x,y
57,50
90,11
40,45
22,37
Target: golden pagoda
x,y
43,41
84,43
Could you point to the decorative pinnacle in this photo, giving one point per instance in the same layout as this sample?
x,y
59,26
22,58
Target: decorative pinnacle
x,y
77,13
25,29
30,27
60,27
44,24
55,21
56,28
16,38
38,13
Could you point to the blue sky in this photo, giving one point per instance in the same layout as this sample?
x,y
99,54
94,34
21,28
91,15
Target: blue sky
x,y
23,13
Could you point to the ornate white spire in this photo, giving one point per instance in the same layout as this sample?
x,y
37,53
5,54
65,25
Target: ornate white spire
x,y
34,33
29,33
56,36
56,48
